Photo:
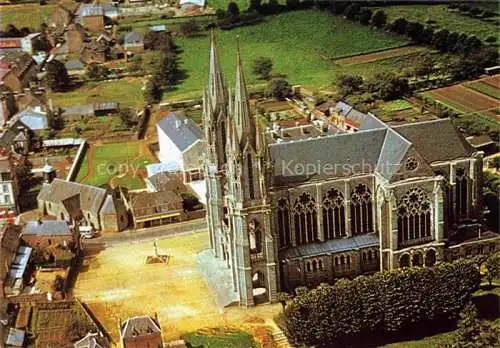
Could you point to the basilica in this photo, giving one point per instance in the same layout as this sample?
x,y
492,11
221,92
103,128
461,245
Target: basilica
x,y
288,207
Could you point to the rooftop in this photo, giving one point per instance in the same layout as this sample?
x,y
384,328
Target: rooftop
x,y
47,228
138,326
182,131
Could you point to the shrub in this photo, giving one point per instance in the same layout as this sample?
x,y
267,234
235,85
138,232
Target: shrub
x,y
385,302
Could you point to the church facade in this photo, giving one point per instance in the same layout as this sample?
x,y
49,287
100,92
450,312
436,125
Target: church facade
x,y
309,204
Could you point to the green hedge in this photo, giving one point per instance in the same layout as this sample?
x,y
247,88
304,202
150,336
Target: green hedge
x,y
385,302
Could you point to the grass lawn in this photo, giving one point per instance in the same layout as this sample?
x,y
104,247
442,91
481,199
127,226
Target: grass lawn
x,y
25,15
396,105
302,51
220,339
484,88
126,91
443,17
121,161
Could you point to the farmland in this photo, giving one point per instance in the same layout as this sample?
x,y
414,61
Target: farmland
x,y
373,57
305,53
440,16
25,15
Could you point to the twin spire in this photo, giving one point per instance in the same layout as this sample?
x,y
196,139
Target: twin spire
x,y
240,122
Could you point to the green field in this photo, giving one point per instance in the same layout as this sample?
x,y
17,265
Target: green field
x,y
220,339
119,160
484,88
25,15
300,50
443,17
127,91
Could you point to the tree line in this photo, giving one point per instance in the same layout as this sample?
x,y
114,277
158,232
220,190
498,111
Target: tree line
x,y
393,302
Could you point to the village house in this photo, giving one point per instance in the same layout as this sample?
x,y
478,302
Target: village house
x,y
83,204
91,16
8,105
10,44
17,70
48,234
140,332
91,340
9,243
94,52
75,67
154,208
8,184
27,42
133,42
181,145
75,37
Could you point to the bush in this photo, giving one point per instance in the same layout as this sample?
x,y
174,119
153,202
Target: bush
x,y
389,301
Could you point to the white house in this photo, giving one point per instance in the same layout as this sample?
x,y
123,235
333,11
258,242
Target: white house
x,y
181,146
27,42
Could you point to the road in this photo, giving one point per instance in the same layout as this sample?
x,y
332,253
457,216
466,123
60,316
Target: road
x,y
147,234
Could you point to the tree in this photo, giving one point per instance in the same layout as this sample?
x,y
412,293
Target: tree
x,y
387,86
12,31
352,10
440,38
424,65
189,28
469,328
427,35
96,71
365,15
41,44
24,175
255,5
292,4
399,26
451,42
152,91
493,268
414,31
56,78
379,19
283,297
338,7
169,69
127,115
349,84
262,66
233,11
279,88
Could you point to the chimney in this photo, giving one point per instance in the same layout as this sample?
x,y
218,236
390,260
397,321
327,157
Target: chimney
x,y
178,124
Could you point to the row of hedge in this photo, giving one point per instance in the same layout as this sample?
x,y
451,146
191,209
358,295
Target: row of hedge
x,y
389,301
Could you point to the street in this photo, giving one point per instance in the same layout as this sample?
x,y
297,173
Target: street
x,y
146,234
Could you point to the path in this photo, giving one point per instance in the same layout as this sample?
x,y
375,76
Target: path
x,y
89,157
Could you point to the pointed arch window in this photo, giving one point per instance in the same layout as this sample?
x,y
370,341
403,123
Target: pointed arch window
x,y
414,217
333,215
461,193
283,223
305,219
251,190
361,210
255,237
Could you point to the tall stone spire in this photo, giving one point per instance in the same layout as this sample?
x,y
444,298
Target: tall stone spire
x,y
216,88
245,127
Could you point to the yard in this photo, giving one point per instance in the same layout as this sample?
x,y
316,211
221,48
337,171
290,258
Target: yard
x,y
116,284
25,15
117,164
443,18
126,91
305,53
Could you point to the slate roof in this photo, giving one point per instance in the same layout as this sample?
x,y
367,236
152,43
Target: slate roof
x,y
392,153
78,110
138,326
89,341
330,246
140,200
74,64
47,228
91,198
87,10
158,27
110,205
343,108
479,140
436,140
165,181
132,37
372,122
182,131
20,263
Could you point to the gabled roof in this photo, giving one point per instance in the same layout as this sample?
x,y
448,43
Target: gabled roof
x,y
74,64
31,118
91,198
182,131
47,228
343,108
89,341
138,326
165,181
132,36
141,200
436,140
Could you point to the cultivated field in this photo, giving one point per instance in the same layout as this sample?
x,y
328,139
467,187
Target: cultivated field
x,y
305,53
463,99
25,15
441,17
372,57
116,284
118,164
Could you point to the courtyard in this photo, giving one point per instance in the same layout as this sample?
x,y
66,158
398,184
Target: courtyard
x,y
116,284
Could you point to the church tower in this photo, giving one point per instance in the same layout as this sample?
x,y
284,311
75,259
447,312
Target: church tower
x,y
253,254
215,108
